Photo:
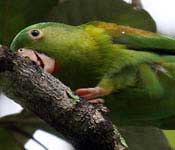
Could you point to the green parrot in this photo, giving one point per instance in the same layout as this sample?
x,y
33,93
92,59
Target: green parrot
x,y
132,69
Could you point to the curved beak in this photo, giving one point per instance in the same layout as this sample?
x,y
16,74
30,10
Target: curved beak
x,y
46,62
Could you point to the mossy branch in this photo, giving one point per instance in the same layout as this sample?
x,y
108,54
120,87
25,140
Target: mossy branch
x,y
85,125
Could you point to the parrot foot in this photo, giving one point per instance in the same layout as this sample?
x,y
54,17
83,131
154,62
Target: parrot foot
x,y
91,94
96,101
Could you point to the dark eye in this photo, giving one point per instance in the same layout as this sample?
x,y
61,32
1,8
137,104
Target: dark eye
x,y
35,33
20,50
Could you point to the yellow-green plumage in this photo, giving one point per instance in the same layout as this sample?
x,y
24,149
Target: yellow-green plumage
x,y
135,66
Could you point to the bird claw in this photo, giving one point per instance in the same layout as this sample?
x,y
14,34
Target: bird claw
x,y
91,94
96,101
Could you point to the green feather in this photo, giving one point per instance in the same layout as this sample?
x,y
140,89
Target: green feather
x,y
136,67
151,81
136,38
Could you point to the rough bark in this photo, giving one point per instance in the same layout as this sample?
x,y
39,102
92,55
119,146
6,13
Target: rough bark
x,y
85,125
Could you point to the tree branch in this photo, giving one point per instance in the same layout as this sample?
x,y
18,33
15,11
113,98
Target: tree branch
x,y
136,4
85,125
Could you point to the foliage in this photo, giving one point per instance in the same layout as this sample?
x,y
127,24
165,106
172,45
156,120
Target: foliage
x,y
170,134
16,129
6,139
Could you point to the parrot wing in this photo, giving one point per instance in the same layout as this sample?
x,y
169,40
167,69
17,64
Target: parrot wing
x,y
138,39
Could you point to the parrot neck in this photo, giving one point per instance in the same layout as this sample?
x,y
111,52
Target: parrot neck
x,y
85,70
86,62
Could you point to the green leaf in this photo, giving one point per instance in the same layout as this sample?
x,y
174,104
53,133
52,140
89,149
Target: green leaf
x,y
7,140
144,138
170,134
17,14
23,125
82,11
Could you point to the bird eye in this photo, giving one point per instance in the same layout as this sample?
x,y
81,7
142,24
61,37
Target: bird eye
x,y
20,50
35,34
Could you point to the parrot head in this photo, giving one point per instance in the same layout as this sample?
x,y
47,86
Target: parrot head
x,y
62,49
52,44
36,42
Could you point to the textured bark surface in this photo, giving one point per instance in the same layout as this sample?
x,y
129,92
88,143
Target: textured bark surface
x,y
86,126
